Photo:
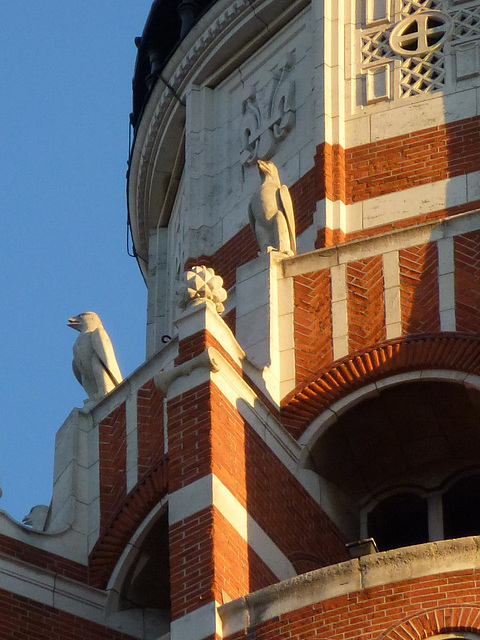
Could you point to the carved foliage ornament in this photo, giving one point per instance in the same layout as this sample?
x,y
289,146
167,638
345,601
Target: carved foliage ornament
x,y
268,114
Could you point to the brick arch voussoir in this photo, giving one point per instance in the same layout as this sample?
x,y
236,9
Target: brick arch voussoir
x,y
452,351
433,622
144,496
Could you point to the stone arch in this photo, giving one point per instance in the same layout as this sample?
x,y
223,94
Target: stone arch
x,y
146,494
454,621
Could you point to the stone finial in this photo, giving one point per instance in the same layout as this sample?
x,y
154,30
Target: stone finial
x,y
201,283
94,363
271,212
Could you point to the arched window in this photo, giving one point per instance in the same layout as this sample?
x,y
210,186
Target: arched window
x,y
399,520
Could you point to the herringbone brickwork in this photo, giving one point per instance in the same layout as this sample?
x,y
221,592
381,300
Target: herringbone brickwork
x,y
312,323
366,309
419,289
467,281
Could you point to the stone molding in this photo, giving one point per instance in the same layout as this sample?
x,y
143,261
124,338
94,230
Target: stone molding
x,y
205,360
388,567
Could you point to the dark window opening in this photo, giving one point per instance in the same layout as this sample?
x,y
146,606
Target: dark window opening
x,y
461,508
399,521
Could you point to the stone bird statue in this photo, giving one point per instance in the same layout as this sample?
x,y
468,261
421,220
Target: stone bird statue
x,y
94,363
36,517
271,212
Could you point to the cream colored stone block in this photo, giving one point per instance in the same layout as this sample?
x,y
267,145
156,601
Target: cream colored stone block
x,y
377,11
391,270
393,313
196,625
340,347
414,201
27,581
285,332
445,256
467,60
132,460
378,84
338,275
339,319
79,600
394,330
446,289
448,321
473,186
352,217
358,130
431,112
190,499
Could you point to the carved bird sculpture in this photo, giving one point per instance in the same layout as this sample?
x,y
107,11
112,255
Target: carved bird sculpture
x,y
271,212
36,517
94,363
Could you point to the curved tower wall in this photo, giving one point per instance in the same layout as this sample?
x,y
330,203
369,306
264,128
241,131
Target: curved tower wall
x,y
231,486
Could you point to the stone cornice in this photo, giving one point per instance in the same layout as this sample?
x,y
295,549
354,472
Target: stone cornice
x,y
349,577
200,59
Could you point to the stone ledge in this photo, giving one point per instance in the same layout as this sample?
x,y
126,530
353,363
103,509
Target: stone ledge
x,y
346,578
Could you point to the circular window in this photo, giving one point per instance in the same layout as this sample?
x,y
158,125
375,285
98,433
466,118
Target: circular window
x,y
420,33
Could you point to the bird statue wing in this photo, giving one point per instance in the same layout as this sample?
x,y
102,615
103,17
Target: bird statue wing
x,y
286,206
102,347
76,372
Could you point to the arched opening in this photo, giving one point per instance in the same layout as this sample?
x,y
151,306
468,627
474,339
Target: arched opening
x,y
385,462
139,587
147,583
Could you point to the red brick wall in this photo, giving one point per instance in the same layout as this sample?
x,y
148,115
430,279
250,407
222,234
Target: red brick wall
x,y
419,289
44,559
208,556
467,281
304,198
207,435
412,159
366,312
113,451
264,486
25,619
150,427
414,609
189,437
312,323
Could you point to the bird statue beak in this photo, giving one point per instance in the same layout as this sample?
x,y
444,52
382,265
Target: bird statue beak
x,y
74,324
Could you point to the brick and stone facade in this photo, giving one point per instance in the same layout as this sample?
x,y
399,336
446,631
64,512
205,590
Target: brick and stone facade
x,y
214,492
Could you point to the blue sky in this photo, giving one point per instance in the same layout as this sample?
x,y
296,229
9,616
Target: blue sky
x,y
66,70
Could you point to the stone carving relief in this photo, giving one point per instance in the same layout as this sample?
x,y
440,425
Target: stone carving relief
x,y
268,115
94,363
414,44
201,283
271,212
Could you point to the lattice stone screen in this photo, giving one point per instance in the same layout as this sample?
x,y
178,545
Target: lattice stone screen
x,y
402,51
